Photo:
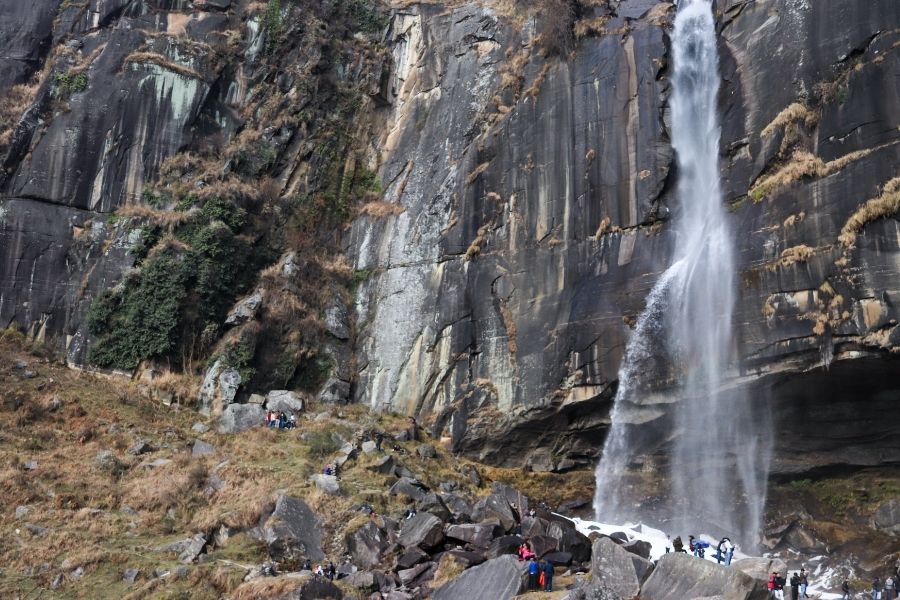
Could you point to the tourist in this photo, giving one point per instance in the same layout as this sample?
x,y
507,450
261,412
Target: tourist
x,y
729,555
307,566
795,586
410,512
720,554
282,420
533,574
770,585
780,582
548,576
691,545
876,589
677,544
331,572
889,585
845,590
804,583
293,422
270,419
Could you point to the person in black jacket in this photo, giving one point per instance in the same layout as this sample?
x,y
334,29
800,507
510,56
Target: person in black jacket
x,y
795,586
548,576
779,586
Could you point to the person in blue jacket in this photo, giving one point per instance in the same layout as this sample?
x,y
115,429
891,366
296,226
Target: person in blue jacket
x,y
533,571
548,576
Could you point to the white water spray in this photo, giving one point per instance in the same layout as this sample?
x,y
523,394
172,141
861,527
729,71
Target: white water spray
x,y
720,449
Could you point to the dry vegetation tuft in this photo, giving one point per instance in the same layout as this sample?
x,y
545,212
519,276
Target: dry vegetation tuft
x,y
794,113
162,61
885,205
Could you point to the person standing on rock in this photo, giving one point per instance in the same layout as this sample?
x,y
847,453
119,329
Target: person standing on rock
x,y
845,590
677,544
804,583
729,554
889,585
548,576
533,574
795,586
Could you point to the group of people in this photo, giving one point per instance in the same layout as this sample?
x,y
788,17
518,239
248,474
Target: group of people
x,y
798,584
277,419
889,590
328,572
724,550
540,574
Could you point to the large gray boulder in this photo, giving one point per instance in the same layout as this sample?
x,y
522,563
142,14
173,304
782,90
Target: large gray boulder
x,y
887,517
760,568
612,569
496,506
423,530
219,387
406,486
570,540
497,579
241,417
477,534
285,401
293,531
366,545
678,576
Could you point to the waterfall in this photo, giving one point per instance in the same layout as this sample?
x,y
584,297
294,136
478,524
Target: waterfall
x,y
719,439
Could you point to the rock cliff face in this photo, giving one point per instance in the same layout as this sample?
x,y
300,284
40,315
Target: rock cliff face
x,y
526,181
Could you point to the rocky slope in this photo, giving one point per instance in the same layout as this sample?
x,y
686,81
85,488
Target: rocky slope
x,y
517,220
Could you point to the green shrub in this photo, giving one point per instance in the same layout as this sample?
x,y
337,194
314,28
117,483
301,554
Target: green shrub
x,y
138,322
273,25
66,84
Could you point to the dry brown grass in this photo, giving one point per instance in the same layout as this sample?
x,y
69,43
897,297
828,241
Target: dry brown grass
x,y
474,248
885,205
804,165
591,27
169,219
794,113
535,88
379,209
477,172
448,569
794,255
13,105
162,61
267,587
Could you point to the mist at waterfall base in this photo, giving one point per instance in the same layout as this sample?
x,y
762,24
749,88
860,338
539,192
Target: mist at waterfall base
x,y
714,442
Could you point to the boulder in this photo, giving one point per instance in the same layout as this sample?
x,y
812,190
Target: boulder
x,y
479,534
201,448
887,516
193,549
140,447
107,462
219,387
426,451
466,558
505,544
327,483
293,531
131,575
22,511
245,309
532,526
369,447
612,570
241,417
570,540
408,576
542,544
423,530
433,504
384,465
760,568
366,545
337,321
200,427
284,400
411,558
460,508
639,547
408,487
497,579
559,559
678,576
496,506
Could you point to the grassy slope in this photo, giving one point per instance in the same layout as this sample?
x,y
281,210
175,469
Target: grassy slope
x,y
106,523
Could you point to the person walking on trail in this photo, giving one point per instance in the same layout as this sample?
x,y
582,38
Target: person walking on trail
x,y
804,583
533,574
795,586
548,576
845,590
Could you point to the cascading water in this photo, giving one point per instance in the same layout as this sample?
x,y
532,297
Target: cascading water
x,y
720,444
